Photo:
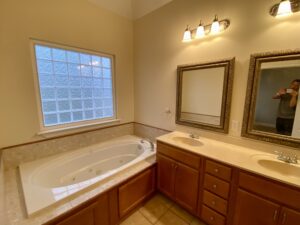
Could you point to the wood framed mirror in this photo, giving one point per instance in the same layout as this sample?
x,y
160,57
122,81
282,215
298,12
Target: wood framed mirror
x,y
204,94
272,108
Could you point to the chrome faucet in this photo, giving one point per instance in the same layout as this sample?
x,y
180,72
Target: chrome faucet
x,y
194,136
150,142
287,158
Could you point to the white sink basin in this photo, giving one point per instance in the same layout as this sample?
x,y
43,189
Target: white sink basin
x,y
282,168
188,141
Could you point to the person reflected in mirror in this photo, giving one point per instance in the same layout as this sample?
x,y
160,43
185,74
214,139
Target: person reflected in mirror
x,y
287,107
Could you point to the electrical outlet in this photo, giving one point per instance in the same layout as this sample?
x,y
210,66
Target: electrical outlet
x,y
235,125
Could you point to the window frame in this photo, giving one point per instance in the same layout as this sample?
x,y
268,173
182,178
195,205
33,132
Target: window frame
x,y
78,124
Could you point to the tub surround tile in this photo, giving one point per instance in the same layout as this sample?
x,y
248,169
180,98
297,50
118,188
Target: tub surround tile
x,y
15,156
15,207
150,132
3,217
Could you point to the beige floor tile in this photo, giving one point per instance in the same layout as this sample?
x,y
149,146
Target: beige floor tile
x,y
155,208
197,222
170,219
183,214
136,219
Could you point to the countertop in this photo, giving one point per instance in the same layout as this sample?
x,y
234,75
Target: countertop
x,y
234,155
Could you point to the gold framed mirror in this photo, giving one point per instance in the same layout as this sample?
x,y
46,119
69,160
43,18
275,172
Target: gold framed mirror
x,y
272,108
204,94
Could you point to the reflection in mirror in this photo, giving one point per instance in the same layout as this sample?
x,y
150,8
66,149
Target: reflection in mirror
x,y
203,95
272,111
204,85
276,104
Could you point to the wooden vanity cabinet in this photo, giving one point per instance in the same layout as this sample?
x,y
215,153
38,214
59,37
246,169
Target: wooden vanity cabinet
x,y
252,209
215,195
178,176
289,217
262,201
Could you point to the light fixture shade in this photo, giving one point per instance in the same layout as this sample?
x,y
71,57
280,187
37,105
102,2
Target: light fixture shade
x,y
200,33
284,8
215,27
187,36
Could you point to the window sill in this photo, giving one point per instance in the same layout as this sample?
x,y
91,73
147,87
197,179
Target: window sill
x,y
84,127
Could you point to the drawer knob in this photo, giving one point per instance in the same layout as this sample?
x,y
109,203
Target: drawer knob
x,y
214,186
213,203
212,218
216,170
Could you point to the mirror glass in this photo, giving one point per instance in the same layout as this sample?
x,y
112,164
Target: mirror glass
x,y
277,109
272,110
203,93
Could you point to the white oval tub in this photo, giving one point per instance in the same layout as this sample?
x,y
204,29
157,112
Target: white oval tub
x,y
51,179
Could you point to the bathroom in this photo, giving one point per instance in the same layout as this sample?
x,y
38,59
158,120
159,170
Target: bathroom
x,y
139,43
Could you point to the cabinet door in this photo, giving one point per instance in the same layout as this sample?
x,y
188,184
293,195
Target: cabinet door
x,y
253,210
289,217
95,214
135,191
186,186
165,175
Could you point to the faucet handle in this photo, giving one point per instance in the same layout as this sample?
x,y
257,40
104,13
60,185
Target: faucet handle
x,y
280,155
294,159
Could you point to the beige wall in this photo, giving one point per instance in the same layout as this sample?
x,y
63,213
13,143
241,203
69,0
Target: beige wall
x,y
158,50
76,23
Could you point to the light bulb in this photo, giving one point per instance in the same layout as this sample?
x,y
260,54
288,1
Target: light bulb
x,y
215,27
284,9
187,36
200,33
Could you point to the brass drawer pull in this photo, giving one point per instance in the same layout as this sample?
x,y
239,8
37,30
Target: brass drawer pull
x,y
284,218
216,170
213,203
275,215
212,218
214,186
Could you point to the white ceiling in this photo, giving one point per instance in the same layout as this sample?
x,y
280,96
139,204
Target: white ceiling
x,y
132,9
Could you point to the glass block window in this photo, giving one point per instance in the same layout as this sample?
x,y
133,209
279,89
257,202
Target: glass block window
x,y
74,85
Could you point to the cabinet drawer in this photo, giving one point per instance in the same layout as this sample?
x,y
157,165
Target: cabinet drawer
x,y
215,202
218,170
211,217
270,189
216,186
179,155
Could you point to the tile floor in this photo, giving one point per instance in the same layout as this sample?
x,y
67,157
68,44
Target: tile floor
x,y
161,211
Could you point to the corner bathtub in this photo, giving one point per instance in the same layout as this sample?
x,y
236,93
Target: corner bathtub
x,y
51,179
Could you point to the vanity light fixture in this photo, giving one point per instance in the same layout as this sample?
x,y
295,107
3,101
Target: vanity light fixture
x,y
202,31
215,27
187,36
285,8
